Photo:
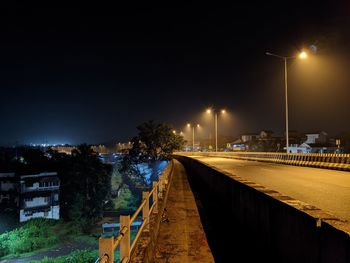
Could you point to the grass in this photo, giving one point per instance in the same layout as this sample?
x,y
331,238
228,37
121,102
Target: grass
x,y
79,256
39,235
31,236
86,239
29,254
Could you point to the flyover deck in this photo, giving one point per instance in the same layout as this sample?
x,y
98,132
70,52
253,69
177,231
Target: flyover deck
x,y
181,237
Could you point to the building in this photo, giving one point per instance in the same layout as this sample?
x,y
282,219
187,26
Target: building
x,y
316,137
265,135
315,142
9,190
302,148
249,137
32,196
39,196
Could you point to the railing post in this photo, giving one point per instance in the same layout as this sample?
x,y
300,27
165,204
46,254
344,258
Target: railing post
x,y
165,180
155,197
105,247
145,210
161,186
125,242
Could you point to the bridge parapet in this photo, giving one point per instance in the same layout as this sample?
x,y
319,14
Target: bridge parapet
x,y
264,225
317,160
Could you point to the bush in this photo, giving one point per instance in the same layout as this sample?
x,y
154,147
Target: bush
x,y
33,235
79,256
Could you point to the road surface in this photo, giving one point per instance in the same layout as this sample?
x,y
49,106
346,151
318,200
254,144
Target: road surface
x,y
328,190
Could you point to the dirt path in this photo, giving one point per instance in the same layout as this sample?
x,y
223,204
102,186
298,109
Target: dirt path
x,y
64,249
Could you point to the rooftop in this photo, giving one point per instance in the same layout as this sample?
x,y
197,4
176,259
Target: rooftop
x,y
39,175
7,174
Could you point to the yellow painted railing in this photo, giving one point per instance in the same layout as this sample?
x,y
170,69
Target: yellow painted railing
x,y
107,245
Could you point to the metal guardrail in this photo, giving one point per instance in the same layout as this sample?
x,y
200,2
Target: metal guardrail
x,y
317,160
108,244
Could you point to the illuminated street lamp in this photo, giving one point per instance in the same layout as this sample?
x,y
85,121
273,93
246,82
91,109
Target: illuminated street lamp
x,y
209,111
302,55
189,126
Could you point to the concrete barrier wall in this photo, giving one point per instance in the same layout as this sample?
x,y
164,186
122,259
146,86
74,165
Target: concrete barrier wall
x,y
318,160
254,223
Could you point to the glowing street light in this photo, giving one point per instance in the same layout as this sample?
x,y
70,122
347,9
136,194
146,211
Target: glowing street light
x,y
189,126
302,55
209,111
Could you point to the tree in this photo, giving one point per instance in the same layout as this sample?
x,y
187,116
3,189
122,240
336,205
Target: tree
x,y
159,140
155,142
85,185
345,141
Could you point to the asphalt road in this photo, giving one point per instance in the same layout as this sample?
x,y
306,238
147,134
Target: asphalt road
x,y
328,190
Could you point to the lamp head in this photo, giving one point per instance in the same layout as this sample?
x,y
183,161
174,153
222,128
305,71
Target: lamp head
x,y
303,55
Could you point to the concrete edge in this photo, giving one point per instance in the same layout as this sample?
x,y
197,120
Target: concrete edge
x,y
319,165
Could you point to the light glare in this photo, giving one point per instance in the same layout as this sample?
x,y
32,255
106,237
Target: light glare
x,y
303,55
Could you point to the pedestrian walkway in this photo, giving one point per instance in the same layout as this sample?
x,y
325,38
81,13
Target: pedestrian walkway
x,y
181,237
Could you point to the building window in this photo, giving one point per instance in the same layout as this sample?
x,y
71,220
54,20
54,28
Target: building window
x,y
47,199
55,197
46,213
28,199
28,213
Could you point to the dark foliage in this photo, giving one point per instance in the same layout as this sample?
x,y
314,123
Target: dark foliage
x,y
85,185
155,142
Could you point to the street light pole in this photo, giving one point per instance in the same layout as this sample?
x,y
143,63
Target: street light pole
x,y
189,125
302,55
286,95
216,125
216,132
193,138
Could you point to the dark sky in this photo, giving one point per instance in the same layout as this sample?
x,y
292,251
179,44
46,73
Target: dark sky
x,y
93,73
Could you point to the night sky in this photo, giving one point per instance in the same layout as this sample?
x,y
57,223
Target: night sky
x,y
93,73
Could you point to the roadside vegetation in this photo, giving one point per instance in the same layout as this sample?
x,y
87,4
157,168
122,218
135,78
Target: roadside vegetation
x,y
88,188
79,256
40,235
